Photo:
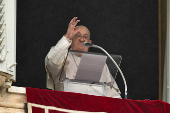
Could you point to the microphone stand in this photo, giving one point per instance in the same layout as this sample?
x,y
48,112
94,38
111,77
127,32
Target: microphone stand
x,y
92,45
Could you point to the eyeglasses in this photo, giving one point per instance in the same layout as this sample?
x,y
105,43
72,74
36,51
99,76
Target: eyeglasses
x,y
79,37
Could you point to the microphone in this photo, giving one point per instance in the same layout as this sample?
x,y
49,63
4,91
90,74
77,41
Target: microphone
x,y
88,44
121,73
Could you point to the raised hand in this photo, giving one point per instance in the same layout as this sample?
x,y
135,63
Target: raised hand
x,y
71,28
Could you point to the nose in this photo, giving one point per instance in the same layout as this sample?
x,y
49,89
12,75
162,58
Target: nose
x,y
82,39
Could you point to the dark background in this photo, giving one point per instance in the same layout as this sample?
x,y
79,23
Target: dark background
x,y
122,27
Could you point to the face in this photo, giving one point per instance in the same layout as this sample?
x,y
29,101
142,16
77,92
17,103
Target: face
x,y
82,36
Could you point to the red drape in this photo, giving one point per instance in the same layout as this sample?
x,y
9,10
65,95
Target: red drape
x,y
83,102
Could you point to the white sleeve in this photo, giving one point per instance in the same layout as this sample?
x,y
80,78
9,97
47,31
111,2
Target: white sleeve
x,y
54,60
57,53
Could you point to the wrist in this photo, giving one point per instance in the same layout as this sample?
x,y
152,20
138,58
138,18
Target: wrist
x,y
67,36
69,40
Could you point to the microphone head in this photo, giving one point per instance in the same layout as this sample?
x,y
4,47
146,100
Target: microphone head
x,y
87,44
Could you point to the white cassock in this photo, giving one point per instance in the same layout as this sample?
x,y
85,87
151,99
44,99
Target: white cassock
x,y
54,62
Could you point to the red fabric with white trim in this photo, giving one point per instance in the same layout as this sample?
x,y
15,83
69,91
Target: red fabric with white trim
x,y
83,102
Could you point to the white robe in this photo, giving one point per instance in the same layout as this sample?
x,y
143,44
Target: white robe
x,y
55,60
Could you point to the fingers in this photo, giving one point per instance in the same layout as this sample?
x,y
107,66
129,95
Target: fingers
x,y
74,22
71,28
77,22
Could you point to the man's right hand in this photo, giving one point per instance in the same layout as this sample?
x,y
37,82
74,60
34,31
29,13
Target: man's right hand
x,y
71,28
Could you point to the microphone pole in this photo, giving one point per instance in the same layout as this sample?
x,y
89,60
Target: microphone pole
x,y
96,46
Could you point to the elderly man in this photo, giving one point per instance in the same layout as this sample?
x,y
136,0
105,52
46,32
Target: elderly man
x,y
54,61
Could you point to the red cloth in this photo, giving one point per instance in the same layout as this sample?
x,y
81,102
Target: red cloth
x,y
83,102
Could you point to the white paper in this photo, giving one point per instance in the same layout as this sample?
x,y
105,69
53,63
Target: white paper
x,y
91,67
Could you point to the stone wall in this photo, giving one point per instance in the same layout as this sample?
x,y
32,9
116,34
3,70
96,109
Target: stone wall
x,y
12,100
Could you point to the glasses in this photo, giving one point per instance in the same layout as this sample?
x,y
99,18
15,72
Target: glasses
x,y
79,37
